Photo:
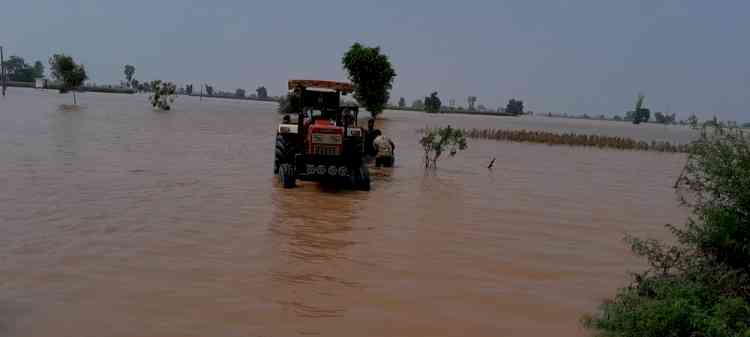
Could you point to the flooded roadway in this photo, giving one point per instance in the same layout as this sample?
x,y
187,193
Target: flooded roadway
x,y
120,221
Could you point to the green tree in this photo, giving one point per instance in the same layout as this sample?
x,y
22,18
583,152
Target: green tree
x,y
162,94
700,285
514,107
432,103
663,118
239,93
261,92
401,103
436,141
38,69
372,75
209,90
16,69
71,75
659,118
129,72
189,89
417,105
144,86
640,114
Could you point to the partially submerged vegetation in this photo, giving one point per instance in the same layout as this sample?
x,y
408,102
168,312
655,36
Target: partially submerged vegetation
x,y
162,94
573,139
432,103
640,114
71,75
436,141
699,286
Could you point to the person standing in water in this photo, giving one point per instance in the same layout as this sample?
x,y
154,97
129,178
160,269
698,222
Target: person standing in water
x,y
384,150
370,138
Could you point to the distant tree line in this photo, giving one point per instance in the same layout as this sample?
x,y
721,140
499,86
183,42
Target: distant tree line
x,y
433,104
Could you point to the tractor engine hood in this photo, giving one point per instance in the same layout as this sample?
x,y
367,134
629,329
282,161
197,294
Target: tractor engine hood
x,y
325,139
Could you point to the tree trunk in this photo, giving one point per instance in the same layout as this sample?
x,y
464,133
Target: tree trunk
x,y
74,98
2,69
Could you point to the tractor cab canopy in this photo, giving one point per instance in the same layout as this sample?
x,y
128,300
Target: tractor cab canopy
x,y
320,99
342,87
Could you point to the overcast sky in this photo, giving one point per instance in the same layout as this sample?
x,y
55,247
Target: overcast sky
x,y
575,56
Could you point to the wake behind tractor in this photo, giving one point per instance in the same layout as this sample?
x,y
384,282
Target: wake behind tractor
x,y
324,143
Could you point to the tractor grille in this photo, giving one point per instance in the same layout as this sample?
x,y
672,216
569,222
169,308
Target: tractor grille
x,y
325,150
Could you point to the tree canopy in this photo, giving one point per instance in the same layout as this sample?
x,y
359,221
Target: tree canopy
x,y
639,114
64,69
372,75
432,103
16,69
401,103
38,69
129,72
261,92
514,107
664,118
417,105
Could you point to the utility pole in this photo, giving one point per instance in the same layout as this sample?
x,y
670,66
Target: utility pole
x,y
2,68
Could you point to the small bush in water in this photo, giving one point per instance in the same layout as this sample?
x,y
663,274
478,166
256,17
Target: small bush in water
x,y
436,141
163,94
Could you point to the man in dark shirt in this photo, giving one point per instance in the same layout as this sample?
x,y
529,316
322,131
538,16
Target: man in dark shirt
x,y
370,138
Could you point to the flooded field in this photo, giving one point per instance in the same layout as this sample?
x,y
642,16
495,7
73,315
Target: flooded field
x,y
116,220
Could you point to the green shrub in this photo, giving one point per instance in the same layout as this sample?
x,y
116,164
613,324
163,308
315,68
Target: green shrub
x,y
162,94
439,140
699,286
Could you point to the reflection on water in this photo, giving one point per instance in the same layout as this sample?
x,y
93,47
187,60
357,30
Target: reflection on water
x,y
314,234
116,220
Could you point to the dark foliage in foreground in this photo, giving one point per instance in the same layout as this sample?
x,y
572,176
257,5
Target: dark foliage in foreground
x,y
699,286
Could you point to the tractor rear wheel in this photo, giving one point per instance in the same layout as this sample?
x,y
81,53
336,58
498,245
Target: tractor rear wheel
x,y
284,162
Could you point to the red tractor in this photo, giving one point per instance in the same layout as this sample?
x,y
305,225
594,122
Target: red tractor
x,y
324,143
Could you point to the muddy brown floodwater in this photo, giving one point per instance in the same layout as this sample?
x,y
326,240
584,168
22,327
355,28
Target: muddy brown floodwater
x,y
116,220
